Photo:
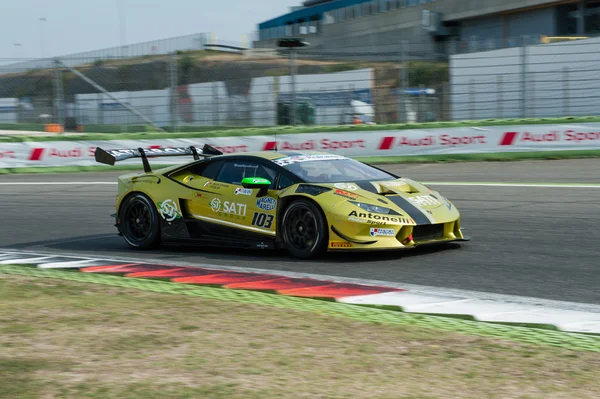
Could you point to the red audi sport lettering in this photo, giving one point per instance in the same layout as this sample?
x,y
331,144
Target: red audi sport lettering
x,y
7,154
386,143
327,144
270,146
423,142
539,138
508,138
231,148
36,154
74,153
464,140
571,135
287,145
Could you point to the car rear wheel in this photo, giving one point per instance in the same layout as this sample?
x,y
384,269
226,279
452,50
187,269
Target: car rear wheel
x,y
139,222
304,229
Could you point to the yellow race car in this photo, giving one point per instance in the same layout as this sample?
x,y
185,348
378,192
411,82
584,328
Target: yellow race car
x,y
306,201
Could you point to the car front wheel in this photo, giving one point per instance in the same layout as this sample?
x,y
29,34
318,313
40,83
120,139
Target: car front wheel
x,y
304,229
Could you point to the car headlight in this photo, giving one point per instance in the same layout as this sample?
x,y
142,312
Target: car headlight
x,y
373,208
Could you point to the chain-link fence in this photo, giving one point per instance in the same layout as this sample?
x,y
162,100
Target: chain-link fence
x,y
207,90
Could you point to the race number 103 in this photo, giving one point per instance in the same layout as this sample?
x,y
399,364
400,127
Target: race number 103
x,y
262,220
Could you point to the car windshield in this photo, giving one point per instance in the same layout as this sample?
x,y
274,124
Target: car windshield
x,y
335,171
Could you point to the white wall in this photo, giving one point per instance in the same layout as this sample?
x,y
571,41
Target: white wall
x,y
332,92
556,80
8,110
211,105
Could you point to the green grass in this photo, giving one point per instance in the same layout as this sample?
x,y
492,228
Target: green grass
x,y
100,341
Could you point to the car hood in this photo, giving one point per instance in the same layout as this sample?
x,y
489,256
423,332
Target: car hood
x,y
405,196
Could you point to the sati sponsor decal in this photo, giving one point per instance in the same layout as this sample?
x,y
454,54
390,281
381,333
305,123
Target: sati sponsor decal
x,y
228,208
215,204
168,210
424,200
377,231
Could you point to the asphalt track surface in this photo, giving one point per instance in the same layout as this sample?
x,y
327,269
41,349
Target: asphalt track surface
x,y
527,241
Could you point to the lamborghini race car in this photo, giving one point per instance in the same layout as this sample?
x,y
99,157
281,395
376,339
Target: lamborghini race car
x,y
306,201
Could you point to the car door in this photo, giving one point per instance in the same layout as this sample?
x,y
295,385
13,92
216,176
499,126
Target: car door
x,y
226,202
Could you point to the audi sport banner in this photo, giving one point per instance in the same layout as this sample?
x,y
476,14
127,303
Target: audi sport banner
x,y
380,143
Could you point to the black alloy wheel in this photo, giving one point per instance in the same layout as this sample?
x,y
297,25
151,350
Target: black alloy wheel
x,y
139,222
304,229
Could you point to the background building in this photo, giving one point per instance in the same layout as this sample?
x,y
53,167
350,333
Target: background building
x,y
432,27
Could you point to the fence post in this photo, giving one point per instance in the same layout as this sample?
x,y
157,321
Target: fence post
x,y
524,77
531,91
215,95
500,96
446,106
293,73
566,91
100,109
402,116
471,99
421,104
58,93
173,91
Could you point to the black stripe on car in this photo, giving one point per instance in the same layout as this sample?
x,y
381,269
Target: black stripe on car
x,y
409,208
367,186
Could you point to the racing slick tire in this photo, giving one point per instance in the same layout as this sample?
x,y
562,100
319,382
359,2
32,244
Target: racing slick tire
x,y
304,229
139,222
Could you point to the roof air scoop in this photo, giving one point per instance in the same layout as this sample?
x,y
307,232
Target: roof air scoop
x,y
394,187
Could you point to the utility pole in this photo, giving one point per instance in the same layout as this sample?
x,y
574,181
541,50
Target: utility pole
x,y
293,73
42,23
292,45
122,26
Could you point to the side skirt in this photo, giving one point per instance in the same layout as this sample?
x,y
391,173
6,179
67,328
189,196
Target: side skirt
x,y
196,232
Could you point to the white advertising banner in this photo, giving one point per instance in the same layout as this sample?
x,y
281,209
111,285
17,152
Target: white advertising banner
x,y
378,143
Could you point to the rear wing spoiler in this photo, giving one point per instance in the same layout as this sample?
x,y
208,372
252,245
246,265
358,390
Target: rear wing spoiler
x,y
110,157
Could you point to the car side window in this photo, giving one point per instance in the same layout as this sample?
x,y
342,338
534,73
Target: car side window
x,y
209,169
284,181
233,172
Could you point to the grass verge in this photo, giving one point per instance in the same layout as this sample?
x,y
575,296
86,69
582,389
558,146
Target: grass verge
x,y
495,157
73,339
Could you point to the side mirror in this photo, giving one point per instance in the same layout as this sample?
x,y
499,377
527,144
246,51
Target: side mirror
x,y
257,182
